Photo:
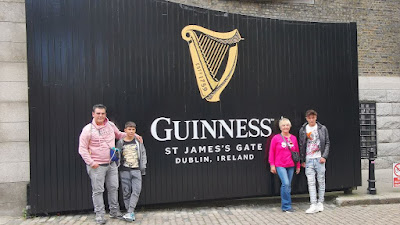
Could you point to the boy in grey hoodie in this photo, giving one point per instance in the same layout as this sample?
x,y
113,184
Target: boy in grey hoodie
x,y
133,166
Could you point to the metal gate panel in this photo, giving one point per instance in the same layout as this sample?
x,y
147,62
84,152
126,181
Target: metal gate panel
x,y
129,55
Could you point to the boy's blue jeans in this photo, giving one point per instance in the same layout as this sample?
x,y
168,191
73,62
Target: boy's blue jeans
x,y
286,175
313,166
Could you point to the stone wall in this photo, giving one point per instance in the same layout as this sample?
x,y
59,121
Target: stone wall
x,y
385,91
14,114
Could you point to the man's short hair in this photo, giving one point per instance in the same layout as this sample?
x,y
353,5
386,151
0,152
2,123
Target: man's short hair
x,y
311,112
99,106
130,124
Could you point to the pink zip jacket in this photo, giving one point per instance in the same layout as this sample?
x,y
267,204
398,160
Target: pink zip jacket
x,y
96,141
279,153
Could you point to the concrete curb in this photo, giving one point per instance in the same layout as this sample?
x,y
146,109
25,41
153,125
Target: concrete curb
x,y
366,200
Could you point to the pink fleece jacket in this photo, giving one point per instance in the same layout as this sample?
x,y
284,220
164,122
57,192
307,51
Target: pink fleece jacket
x,y
279,153
95,142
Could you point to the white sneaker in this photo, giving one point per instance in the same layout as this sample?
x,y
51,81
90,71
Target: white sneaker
x,y
313,209
320,207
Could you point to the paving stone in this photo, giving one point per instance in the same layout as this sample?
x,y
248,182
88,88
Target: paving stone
x,y
242,214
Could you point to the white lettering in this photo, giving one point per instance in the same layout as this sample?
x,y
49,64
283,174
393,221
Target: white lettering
x,y
241,128
191,160
153,129
265,127
229,130
211,130
162,128
254,128
176,130
195,135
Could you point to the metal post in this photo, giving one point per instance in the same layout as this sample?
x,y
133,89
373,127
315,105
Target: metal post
x,y
371,178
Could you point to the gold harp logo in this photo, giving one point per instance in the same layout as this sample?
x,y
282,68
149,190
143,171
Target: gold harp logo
x,y
208,50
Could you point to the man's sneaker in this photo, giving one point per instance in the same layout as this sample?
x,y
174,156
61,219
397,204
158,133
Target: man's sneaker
x,y
116,215
289,210
100,219
320,207
313,209
129,217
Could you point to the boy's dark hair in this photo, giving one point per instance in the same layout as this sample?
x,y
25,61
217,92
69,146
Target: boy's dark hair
x,y
130,124
99,106
311,112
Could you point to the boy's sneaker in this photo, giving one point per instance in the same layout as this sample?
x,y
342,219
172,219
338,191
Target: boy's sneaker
x,y
116,215
313,209
100,219
320,207
289,210
129,217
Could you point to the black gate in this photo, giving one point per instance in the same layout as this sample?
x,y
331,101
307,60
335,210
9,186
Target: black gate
x,y
130,56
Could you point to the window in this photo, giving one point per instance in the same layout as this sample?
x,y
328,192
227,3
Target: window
x,y
368,129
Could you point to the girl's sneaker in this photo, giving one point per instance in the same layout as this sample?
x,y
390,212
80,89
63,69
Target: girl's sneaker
x,y
291,210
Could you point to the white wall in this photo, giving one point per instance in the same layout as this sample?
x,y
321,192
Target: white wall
x,y
385,91
14,113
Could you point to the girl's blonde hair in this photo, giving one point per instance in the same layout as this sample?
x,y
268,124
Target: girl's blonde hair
x,y
284,120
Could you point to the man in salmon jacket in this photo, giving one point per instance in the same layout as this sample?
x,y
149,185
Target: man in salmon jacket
x,y
95,142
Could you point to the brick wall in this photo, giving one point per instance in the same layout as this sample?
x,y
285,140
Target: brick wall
x,y
378,24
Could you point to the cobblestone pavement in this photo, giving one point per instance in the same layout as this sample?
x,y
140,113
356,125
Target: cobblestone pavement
x,y
239,214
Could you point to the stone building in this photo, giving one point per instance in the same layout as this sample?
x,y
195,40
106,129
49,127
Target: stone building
x,y
378,25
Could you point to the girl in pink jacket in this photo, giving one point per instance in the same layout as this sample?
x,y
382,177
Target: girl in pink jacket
x,y
280,159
